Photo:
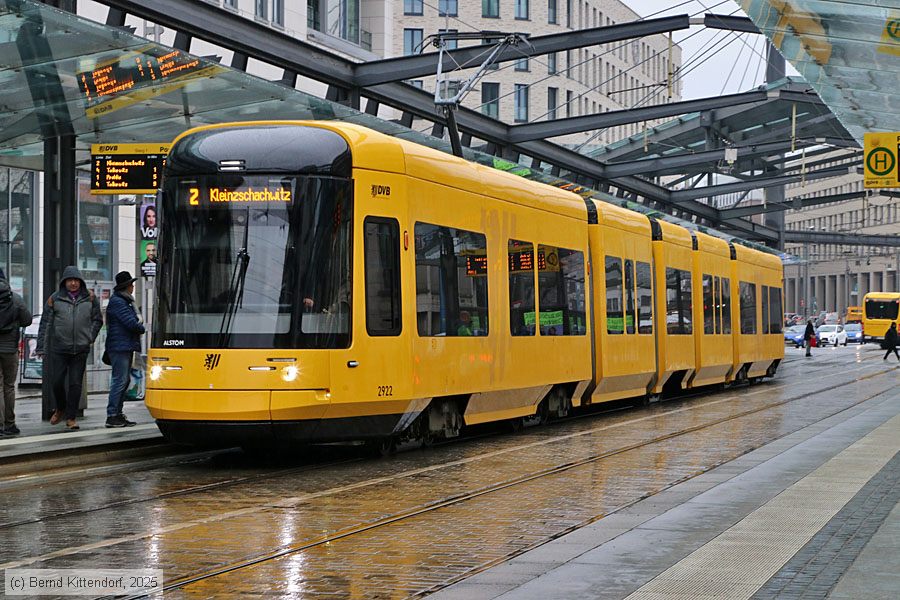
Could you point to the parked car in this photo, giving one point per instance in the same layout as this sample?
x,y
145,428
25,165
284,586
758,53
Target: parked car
x,y
832,335
794,335
854,332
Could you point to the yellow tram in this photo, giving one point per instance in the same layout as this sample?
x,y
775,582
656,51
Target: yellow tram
x,y
319,281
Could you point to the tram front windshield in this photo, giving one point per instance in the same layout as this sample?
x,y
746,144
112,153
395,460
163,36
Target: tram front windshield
x,y
254,262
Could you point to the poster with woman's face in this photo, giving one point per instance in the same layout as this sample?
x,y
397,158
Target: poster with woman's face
x,y
148,225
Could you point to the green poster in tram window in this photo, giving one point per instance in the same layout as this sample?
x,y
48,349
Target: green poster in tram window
x,y
615,323
629,320
529,318
551,317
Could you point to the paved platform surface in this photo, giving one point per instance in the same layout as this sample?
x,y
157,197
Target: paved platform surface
x,y
40,436
812,515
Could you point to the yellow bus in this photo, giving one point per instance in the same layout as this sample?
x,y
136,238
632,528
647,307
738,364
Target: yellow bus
x,y
880,309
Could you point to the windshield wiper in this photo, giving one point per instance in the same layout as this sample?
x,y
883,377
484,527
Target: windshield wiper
x,y
236,287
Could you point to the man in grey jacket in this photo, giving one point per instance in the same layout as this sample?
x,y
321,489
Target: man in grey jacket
x,y
13,316
69,325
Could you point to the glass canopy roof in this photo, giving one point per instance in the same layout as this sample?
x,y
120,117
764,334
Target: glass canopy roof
x,y
62,74
848,50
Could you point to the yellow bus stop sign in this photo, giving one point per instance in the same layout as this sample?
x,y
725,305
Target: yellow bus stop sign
x,y
880,161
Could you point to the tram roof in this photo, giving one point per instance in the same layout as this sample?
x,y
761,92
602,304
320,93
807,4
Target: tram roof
x,y
713,245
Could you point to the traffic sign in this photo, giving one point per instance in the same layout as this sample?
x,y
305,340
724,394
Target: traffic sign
x,y
880,164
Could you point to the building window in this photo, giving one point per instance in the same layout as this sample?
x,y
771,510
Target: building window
x,y
522,64
490,9
561,289
451,281
450,44
313,14
569,99
522,9
490,99
448,8
412,41
278,12
261,9
521,93
551,63
233,3
521,288
551,12
552,101
382,270
569,14
412,7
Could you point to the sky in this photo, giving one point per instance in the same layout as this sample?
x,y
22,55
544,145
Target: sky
x,y
715,62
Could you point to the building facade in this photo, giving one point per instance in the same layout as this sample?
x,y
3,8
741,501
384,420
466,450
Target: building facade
x,y
832,277
578,82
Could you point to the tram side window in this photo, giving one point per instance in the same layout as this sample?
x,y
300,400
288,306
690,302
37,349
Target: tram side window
x,y
708,305
630,316
382,250
765,308
645,298
615,318
748,307
451,282
776,314
726,306
561,288
678,302
717,303
521,288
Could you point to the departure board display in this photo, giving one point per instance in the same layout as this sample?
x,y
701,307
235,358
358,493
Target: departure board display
x,y
476,266
136,70
127,168
521,260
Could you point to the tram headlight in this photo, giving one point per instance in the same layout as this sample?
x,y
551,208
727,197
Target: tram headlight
x,y
290,373
155,372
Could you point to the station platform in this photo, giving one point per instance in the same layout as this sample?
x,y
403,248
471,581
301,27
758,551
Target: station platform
x,y
813,514
40,437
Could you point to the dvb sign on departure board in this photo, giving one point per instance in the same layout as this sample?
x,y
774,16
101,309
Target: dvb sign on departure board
x,y
127,168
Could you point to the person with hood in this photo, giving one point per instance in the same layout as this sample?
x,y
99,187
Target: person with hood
x,y
808,336
890,342
13,316
123,339
69,325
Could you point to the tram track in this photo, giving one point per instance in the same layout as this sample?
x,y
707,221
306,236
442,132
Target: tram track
x,y
197,457
446,502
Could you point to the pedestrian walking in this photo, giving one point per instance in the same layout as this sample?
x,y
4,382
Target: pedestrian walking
x,y
13,316
124,327
69,325
808,336
890,342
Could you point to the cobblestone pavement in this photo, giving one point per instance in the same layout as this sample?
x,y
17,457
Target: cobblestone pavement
x,y
363,528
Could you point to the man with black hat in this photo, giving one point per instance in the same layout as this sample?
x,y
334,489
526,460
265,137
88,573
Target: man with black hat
x,y
123,339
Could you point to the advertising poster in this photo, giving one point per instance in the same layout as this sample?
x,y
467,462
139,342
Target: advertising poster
x,y
149,232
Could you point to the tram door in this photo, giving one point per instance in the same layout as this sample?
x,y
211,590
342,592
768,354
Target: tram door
x,y
372,377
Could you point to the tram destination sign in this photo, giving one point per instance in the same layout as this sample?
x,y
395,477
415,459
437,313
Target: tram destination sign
x,y
127,168
881,151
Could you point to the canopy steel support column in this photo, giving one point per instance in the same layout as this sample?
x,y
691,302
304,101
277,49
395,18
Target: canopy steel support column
x,y
775,70
60,210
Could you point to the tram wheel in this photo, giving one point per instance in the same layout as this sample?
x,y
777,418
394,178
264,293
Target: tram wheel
x,y
385,446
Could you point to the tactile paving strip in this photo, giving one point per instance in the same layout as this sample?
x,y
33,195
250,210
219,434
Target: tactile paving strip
x,y
743,558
